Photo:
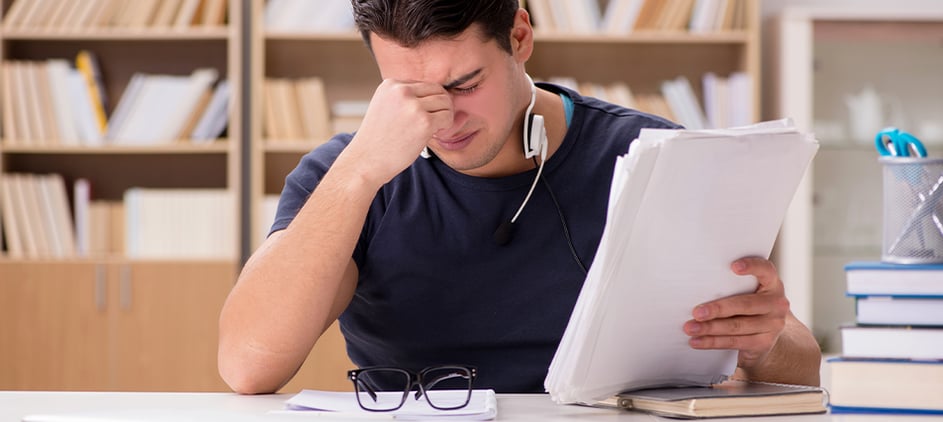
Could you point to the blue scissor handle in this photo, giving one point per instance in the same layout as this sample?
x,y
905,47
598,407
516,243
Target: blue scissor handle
x,y
897,143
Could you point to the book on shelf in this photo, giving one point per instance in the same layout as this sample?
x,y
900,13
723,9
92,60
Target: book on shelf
x,y
727,399
90,14
213,13
881,278
540,16
215,117
87,64
620,17
297,109
679,94
99,224
899,310
885,386
892,342
164,16
179,223
308,16
313,108
156,109
36,214
600,354
13,229
48,103
187,15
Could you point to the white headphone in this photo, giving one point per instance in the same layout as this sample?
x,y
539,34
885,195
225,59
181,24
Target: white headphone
x,y
535,134
535,142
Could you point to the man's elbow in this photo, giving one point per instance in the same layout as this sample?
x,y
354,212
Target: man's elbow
x,y
244,378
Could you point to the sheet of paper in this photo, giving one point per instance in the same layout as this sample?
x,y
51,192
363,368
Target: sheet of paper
x,y
482,406
684,205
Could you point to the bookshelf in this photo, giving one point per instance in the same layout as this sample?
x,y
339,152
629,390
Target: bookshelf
x,y
34,296
104,320
643,60
820,58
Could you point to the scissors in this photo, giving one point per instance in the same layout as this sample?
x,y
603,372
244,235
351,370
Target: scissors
x,y
893,142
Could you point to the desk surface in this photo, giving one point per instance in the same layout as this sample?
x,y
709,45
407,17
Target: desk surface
x,y
14,405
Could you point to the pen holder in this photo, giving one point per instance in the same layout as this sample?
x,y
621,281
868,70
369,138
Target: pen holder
x,y
913,210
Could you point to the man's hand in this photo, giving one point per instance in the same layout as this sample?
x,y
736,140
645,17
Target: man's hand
x,y
400,120
750,323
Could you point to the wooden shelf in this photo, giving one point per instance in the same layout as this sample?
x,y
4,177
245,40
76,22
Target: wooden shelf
x,y
110,260
117,34
279,146
212,148
656,37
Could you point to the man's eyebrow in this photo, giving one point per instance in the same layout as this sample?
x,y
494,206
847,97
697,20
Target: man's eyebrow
x,y
461,79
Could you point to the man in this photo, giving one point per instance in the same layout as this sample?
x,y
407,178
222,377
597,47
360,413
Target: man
x,y
403,249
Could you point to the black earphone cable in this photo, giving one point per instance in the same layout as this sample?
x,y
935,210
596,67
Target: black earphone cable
x,y
566,230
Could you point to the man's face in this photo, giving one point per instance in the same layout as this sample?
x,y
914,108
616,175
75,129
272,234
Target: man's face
x,y
484,83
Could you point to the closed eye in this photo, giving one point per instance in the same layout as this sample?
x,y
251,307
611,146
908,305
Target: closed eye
x,y
465,90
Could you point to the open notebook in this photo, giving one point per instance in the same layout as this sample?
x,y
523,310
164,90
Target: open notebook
x,y
683,206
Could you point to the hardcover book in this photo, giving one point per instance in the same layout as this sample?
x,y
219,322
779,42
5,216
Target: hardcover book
x,y
729,399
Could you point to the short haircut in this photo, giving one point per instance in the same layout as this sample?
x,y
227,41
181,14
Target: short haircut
x,y
411,22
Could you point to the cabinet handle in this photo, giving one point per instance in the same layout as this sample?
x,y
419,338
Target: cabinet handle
x,y
125,287
100,288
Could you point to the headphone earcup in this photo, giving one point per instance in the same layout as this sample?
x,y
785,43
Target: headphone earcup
x,y
537,136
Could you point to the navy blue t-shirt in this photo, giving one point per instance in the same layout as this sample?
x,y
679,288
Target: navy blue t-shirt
x,y
435,288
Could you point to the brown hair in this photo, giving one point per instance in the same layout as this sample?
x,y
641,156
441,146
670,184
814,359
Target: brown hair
x,y
410,22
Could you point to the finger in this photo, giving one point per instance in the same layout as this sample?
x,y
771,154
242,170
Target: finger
x,y
436,103
736,326
756,343
425,89
763,269
745,304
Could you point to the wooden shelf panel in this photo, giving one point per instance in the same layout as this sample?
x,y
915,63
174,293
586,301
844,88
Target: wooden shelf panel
x,y
109,260
110,174
289,146
656,37
117,34
218,147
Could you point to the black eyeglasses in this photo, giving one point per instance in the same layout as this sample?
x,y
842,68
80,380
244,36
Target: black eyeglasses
x,y
384,389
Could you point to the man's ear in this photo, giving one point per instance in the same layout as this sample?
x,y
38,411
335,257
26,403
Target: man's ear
x,y
522,36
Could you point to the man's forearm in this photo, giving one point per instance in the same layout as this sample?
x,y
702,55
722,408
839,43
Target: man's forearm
x,y
293,287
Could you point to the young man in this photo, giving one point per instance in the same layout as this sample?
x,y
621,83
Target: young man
x,y
402,248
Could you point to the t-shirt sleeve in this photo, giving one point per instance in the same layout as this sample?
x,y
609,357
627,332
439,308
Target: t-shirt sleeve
x,y
304,178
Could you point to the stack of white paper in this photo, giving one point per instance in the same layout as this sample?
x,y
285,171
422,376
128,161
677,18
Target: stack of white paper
x,y
683,206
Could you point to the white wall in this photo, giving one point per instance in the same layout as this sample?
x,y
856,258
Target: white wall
x,y
771,7
848,209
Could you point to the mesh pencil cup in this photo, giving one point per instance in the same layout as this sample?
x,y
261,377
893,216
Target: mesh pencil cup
x,y
913,210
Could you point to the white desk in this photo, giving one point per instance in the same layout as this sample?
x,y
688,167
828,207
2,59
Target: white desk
x,y
181,407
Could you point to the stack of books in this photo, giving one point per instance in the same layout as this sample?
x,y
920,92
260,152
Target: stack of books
x,y
892,357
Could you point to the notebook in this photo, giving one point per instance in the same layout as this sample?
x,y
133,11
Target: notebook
x,y
729,399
